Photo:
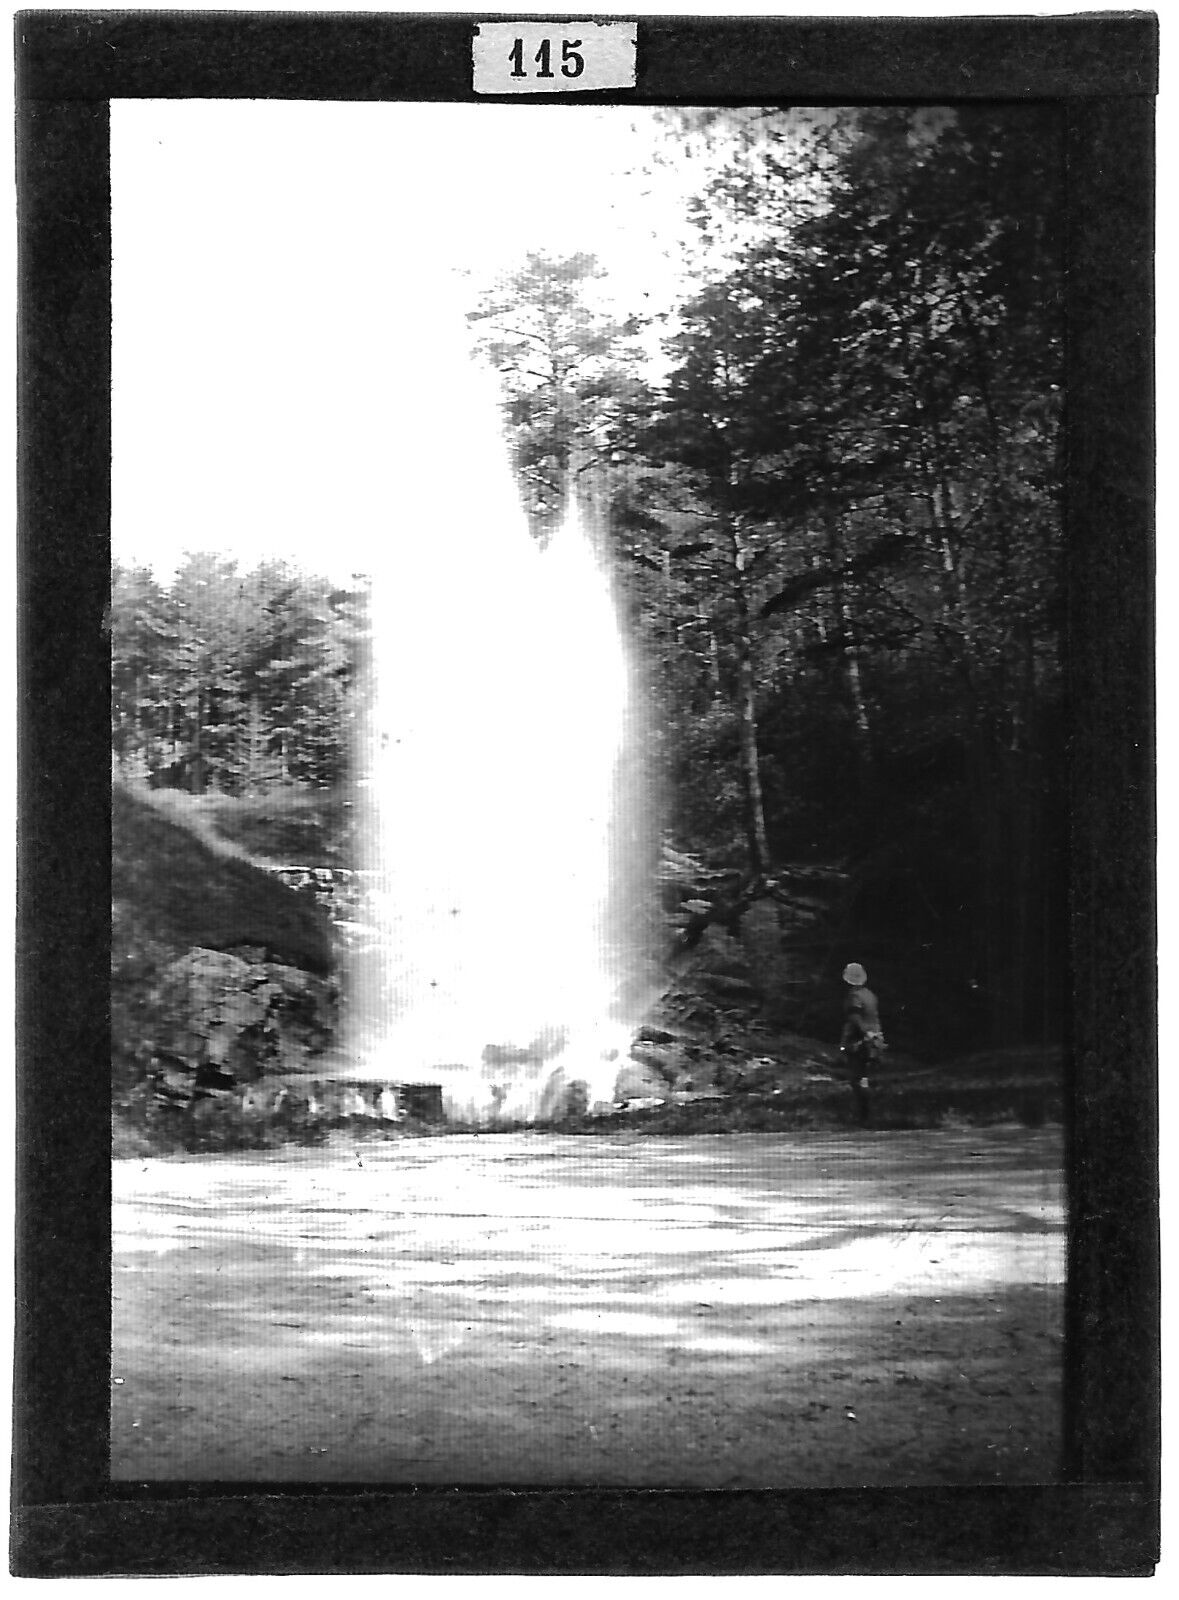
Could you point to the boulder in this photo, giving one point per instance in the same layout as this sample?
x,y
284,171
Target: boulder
x,y
761,942
245,1018
718,954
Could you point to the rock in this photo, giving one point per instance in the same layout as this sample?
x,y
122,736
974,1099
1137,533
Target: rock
x,y
661,1064
242,1018
718,954
761,941
638,1079
732,988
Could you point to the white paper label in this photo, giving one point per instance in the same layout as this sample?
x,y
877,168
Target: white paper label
x,y
553,57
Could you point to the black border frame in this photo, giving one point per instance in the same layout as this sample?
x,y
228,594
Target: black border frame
x,y
68,1518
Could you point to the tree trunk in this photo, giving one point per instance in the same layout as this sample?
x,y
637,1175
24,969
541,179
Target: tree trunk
x,y
668,608
196,770
935,492
254,741
755,821
850,653
714,670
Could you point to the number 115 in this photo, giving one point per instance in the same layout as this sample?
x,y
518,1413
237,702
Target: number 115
x,y
572,63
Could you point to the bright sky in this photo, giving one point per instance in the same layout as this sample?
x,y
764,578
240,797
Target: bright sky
x,y
280,272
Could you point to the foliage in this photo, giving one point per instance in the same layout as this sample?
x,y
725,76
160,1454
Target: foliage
x,y
231,681
836,525
569,373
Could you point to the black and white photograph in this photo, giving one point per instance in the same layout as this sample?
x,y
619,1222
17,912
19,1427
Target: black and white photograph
x,y
594,713
588,830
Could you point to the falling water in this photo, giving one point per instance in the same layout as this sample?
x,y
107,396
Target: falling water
x,y
499,702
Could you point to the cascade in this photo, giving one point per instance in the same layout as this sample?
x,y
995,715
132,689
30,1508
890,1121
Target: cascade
x,y
489,793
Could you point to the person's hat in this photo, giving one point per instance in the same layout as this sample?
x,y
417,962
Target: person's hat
x,y
854,974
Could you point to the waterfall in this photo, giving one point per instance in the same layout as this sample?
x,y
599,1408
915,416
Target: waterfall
x,y
489,787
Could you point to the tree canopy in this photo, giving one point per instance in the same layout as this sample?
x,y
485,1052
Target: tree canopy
x,y
234,680
835,518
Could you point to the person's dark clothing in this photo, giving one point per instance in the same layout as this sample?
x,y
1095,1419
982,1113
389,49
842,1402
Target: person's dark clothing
x,y
862,1040
861,1017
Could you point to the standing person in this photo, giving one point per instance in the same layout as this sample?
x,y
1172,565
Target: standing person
x,y
862,1039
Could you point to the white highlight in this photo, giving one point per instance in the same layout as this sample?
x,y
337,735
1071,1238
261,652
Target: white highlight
x,y
500,694
277,268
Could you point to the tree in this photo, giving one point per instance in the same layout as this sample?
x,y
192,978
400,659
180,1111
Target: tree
x,y
868,394
701,428
235,681
143,637
567,366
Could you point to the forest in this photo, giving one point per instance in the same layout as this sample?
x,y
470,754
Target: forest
x,y
827,490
